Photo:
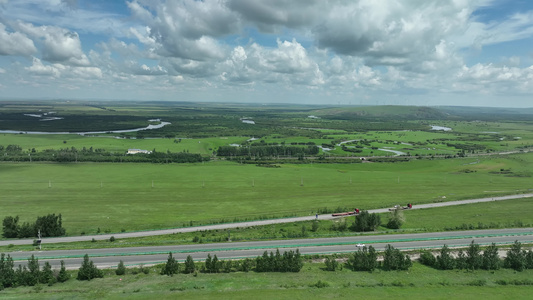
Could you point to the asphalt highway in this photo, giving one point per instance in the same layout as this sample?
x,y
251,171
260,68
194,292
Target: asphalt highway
x,y
241,224
105,258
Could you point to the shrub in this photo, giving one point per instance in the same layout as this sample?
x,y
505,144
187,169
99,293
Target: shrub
x,y
171,267
189,265
63,275
88,270
516,257
121,269
320,284
445,261
10,227
331,263
314,226
366,222
394,259
427,258
365,259
491,260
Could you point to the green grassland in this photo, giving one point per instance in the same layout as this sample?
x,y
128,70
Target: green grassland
x,y
420,282
117,196
204,146
498,214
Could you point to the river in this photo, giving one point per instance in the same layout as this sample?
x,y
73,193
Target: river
x,y
149,127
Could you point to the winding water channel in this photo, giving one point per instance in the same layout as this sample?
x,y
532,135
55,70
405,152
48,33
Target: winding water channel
x,y
149,127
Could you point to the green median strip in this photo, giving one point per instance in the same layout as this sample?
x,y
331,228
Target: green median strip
x,y
284,246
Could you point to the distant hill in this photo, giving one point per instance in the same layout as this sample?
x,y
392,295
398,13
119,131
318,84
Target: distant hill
x,y
396,112
382,112
487,113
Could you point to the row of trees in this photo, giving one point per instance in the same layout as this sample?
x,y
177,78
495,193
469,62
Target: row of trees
x,y
73,154
29,275
49,225
366,259
289,261
267,151
473,258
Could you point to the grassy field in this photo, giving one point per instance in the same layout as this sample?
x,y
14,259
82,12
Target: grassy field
x,y
499,214
204,146
420,282
116,197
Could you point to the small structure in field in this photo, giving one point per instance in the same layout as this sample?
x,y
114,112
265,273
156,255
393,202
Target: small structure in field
x,y
136,151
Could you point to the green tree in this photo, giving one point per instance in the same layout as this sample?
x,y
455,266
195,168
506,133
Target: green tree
x,y
396,219
366,222
315,226
445,261
331,263
50,225
474,260
26,230
63,274
209,263
516,257
460,261
88,270
394,259
47,275
189,265
529,259
34,272
427,258
10,227
121,268
491,259
7,272
364,259
215,265
246,265
171,267
228,264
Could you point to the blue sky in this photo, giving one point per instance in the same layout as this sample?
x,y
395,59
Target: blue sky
x,y
360,52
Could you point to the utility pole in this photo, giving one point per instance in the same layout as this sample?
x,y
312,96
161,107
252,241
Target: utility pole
x,y
39,238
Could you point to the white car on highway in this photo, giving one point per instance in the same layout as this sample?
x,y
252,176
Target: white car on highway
x,y
360,245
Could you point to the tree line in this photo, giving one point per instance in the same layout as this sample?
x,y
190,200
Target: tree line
x,y
29,275
49,226
267,151
32,274
73,154
473,258
366,259
289,261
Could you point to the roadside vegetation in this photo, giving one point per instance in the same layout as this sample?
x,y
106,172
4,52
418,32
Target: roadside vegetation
x,y
471,271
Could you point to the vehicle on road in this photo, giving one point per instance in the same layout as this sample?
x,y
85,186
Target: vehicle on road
x,y
360,245
399,207
349,213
